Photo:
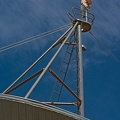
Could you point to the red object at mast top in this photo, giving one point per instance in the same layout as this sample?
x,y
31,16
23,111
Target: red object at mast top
x,y
87,3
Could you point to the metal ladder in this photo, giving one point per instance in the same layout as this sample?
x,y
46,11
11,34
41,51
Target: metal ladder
x,y
57,90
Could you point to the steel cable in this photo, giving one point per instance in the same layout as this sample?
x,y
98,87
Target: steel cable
x,y
113,56
30,39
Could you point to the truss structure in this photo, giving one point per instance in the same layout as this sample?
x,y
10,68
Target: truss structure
x,y
82,21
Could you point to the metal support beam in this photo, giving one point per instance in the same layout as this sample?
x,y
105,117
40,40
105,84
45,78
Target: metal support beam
x,y
60,103
25,81
65,85
80,70
50,62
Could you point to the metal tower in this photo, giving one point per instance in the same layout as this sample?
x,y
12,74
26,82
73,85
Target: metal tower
x,y
81,22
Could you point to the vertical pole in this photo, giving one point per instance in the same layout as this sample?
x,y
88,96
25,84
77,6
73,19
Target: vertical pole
x,y
80,70
86,15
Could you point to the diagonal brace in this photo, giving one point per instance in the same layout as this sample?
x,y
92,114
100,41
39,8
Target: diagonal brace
x,y
64,85
25,81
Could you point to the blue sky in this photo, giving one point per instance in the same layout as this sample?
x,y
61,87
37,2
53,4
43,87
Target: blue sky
x,y
23,19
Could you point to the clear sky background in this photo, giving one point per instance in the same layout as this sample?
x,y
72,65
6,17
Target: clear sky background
x,y
20,19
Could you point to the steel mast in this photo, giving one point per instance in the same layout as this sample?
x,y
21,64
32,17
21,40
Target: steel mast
x,y
85,5
80,70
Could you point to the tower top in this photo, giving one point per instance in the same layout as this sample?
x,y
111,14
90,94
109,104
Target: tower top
x,y
86,3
